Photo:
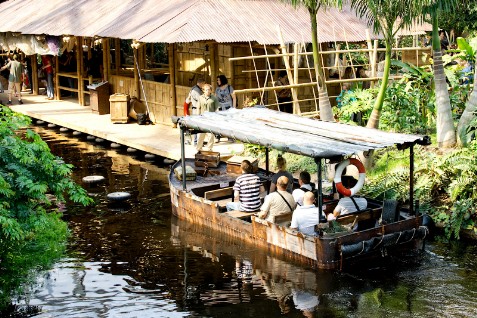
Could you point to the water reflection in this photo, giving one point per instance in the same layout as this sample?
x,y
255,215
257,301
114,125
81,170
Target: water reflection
x,y
134,260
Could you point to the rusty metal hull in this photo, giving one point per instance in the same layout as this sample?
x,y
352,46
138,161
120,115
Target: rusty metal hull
x,y
323,252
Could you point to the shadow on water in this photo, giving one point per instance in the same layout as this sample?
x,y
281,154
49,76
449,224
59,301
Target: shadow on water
x,y
133,259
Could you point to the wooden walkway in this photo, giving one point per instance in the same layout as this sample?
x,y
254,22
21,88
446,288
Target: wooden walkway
x,y
157,139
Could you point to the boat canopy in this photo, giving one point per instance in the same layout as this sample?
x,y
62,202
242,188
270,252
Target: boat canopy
x,y
295,134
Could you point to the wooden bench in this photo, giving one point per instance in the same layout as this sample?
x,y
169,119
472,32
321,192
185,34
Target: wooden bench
x,y
219,193
360,216
239,214
283,219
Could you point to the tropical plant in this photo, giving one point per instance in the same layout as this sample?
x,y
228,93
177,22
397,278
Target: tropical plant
x,y
387,17
313,6
30,175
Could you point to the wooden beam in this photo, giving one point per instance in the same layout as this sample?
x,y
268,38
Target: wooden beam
x,y
79,69
213,57
34,71
171,50
106,62
56,84
117,55
137,84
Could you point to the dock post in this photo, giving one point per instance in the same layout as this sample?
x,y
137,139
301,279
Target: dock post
x,y
411,180
184,187
320,188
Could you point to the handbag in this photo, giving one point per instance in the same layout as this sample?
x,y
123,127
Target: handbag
x,y
186,108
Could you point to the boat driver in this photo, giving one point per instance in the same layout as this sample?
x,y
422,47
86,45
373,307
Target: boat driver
x,y
247,190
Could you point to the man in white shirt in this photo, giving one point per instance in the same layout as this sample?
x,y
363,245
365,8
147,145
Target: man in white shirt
x,y
345,206
306,216
278,202
305,186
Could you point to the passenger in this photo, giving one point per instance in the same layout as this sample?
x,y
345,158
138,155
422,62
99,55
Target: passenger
x,y
282,171
247,190
278,202
305,186
348,205
193,100
306,216
207,103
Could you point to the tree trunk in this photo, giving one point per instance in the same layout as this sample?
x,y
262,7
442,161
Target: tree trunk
x,y
468,115
446,137
326,114
373,121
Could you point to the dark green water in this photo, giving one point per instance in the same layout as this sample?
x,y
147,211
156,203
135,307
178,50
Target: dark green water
x,y
134,260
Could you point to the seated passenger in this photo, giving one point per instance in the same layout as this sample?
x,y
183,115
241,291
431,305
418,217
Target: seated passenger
x,y
348,205
306,216
278,202
282,171
247,189
305,186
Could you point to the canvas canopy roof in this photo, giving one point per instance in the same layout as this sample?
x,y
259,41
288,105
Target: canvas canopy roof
x,y
179,21
295,134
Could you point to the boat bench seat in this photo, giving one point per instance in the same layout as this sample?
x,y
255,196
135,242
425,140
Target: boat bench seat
x,y
358,216
221,193
283,219
239,214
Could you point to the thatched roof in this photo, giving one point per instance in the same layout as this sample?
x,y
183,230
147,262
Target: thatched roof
x,y
177,21
295,134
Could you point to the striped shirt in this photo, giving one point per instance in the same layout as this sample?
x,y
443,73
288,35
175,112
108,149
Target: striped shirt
x,y
248,186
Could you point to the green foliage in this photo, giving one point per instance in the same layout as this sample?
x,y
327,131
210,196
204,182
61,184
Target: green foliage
x,y
444,185
357,101
29,176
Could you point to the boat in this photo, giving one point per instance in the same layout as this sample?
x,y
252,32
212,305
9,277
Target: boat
x,y
202,201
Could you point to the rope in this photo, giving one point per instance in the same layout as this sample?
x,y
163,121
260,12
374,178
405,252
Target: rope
x,y
142,86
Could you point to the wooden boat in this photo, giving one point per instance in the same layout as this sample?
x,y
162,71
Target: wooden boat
x,y
202,201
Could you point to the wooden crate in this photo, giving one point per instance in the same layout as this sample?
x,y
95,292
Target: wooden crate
x,y
207,158
119,104
233,164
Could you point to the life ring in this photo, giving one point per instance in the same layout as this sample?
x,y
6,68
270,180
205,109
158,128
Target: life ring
x,y
339,170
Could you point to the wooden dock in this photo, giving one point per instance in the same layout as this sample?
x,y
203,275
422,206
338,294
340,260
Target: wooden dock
x,y
157,139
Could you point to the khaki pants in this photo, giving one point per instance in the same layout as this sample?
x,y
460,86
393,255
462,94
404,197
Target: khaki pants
x,y
14,86
210,141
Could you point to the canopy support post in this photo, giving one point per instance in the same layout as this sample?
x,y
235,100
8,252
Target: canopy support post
x,y
184,186
318,162
411,180
267,163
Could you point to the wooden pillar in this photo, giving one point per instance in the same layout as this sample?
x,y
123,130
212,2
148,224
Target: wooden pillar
x,y
79,69
34,73
231,65
117,55
172,77
106,62
140,55
137,84
213,56
56,83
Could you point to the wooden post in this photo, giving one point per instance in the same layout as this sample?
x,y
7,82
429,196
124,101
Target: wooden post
x,y
137,84
287,65
374,66
79,69
231,66
106,62
34,71
117,55
56,84
296,105
172,77
140,55
213,61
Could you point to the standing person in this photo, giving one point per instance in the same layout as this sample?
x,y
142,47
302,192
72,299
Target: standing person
x,y
225,94
193,100
247,189
207,103
282,171
444,41
14,79
362,74
277,203
285,103
29,72
48,69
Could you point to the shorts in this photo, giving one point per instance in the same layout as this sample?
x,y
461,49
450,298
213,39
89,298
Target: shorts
x,y
14,86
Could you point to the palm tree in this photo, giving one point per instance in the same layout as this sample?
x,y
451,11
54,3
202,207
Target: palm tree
x,y
446,136
387,17
469,113
313,6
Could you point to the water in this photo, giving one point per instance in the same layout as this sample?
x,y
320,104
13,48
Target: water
x,y
135,260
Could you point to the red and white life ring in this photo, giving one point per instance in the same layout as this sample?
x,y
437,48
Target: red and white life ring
x,y
339,170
